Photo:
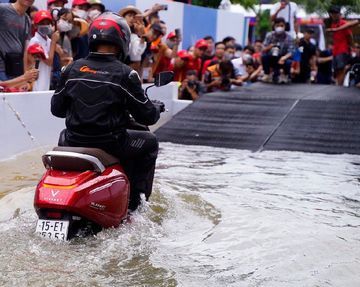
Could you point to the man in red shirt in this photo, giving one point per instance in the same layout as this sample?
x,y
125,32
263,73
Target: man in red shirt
x,y
219,55
194,62
179,64
342,44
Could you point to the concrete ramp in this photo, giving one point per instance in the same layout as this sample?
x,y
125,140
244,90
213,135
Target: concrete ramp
x,y
310,118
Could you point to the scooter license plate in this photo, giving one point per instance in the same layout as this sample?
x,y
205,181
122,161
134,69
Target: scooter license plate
x,y
53,229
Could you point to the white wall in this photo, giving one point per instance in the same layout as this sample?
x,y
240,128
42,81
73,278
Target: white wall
x,y
34,111
230,24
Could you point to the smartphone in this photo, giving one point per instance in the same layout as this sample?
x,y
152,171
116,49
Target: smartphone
x,y
164,7
178,33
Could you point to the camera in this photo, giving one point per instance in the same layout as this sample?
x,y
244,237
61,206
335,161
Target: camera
x,y
225,83
191,84
275,51
178,33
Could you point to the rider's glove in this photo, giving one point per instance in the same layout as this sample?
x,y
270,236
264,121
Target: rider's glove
x,y
160,105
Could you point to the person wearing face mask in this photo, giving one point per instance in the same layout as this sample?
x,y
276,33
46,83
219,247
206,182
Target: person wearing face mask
x,y
96,8
239,62
54,6
229,51
80,42
44,30
65,26
277,53
80,8
287,10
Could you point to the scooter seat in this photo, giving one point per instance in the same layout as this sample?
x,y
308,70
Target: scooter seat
x,y
105,158
78,159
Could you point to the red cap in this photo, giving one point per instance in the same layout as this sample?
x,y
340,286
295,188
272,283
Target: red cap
x,y
42,15
201,44
171,35
49,2
183,54
36,49
79,2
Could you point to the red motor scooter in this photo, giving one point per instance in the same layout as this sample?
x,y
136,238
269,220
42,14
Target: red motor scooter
x,y
83,190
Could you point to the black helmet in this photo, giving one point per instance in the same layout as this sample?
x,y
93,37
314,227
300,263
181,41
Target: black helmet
x,y
112,29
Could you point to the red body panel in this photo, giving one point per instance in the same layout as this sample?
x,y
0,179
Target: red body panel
x,y
101,198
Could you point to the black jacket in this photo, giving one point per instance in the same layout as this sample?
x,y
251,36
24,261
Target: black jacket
x,y
96,95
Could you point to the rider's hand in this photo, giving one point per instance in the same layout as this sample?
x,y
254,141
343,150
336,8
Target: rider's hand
x,y
160,105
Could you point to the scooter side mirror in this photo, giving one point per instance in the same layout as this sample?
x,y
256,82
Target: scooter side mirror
x,y
163,78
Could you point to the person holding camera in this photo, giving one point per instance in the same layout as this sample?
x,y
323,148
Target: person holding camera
x,y
221,77
287,10
165,52
190,88
277,52
54,6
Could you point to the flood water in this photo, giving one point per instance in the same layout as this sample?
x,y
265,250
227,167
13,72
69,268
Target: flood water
x,y
217,217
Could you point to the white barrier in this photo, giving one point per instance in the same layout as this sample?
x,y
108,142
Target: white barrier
x,y
33,109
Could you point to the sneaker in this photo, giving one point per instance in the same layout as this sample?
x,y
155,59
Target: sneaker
x,y
283,79
275,79
266,79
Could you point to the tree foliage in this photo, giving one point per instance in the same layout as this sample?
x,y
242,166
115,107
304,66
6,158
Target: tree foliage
x,y
321,7
318,6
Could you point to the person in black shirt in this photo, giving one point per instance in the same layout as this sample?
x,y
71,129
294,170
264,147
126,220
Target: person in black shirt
x,y
324,66
308,57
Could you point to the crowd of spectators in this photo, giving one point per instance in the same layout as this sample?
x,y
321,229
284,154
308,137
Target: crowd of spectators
x,y
36,44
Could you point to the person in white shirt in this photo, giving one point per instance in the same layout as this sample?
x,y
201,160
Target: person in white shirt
x,y
44,29
240,63
134,18
288,11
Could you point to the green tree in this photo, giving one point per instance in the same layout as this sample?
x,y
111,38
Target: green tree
x,y
321,7
318,6
263,22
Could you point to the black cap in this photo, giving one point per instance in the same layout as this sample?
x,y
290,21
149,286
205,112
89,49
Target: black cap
x,y
334,9
310,31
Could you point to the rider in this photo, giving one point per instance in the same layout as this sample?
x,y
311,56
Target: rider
x,y
96,96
